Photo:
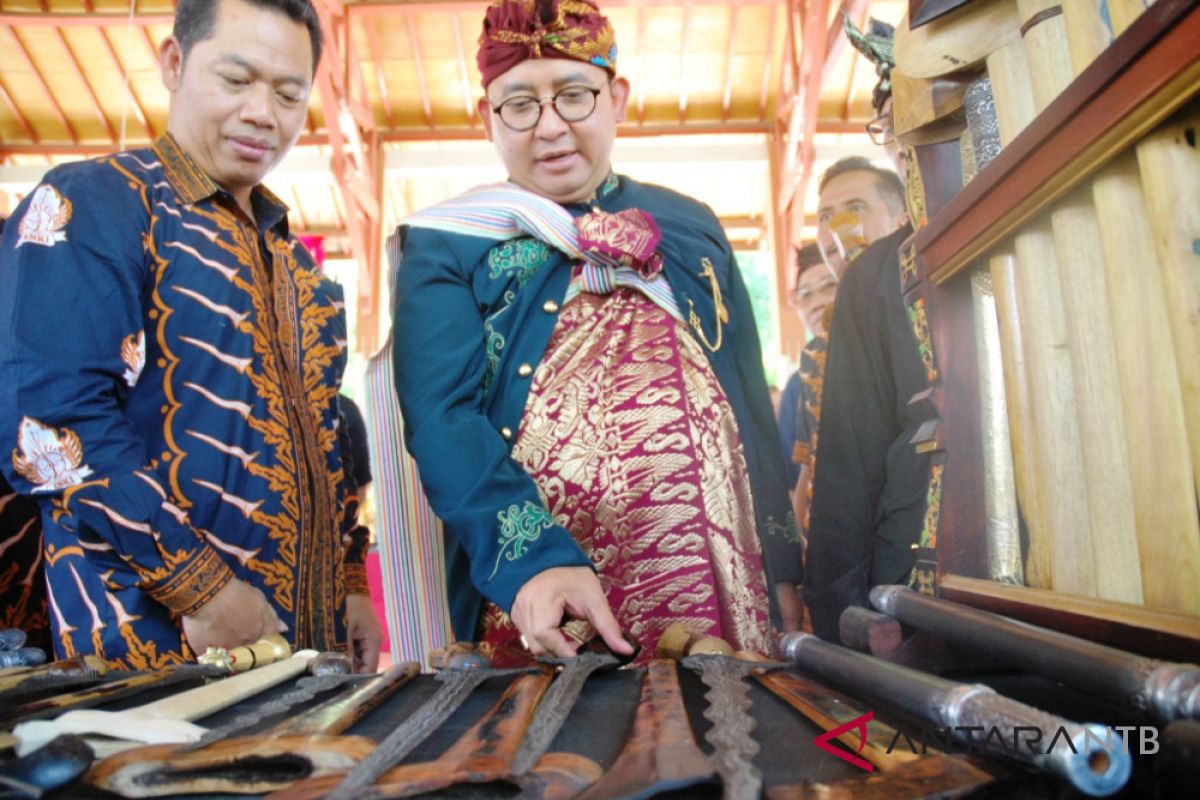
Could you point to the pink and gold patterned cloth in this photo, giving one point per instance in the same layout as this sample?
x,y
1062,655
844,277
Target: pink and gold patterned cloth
x,y
635,450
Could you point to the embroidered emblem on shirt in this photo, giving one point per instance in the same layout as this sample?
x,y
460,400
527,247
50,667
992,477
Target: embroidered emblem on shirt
x,y
45,217
48,459
521,258
518,527
133,353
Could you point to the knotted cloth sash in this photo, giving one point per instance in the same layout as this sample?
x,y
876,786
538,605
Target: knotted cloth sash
x,y
613,250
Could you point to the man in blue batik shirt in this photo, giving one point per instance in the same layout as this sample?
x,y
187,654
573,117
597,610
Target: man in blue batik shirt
x,y
171,362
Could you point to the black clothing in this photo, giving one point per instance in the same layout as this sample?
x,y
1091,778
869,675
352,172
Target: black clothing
x,y
869,487
356,429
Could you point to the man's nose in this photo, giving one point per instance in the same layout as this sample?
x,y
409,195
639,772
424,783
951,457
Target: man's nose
x,y
550,125
257,106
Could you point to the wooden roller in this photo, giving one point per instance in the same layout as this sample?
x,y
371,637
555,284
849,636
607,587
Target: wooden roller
x,y
1059,533
1167,539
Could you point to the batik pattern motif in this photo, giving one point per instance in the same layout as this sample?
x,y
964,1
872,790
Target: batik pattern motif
x,y
808,415
635,450
176,412
22,579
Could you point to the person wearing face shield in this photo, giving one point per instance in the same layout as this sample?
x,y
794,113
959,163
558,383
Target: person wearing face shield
x,y
858,203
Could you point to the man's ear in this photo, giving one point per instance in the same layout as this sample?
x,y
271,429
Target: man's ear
x,y
485,116
620,96
170,63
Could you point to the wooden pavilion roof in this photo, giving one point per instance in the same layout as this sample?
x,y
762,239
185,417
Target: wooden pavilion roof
x,y
734,101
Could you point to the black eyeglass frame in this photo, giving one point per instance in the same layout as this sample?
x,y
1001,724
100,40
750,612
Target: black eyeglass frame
x,y
542,102
880,130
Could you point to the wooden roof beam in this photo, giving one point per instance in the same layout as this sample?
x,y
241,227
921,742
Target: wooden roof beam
x,y
134,102
422,85
298,208
764,92
377,59
683,60
365,8
463,134
45,87
641,50
731,51
78,70
356,155
16,111
463,73
835,38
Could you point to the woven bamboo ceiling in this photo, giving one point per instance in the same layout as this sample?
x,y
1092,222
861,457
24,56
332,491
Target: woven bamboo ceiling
x,y
713,82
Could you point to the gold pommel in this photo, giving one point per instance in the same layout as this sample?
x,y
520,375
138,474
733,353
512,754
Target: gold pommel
x,y
265,651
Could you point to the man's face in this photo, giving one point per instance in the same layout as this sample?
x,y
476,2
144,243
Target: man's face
x,y
239,100
564,161
815,290
856,192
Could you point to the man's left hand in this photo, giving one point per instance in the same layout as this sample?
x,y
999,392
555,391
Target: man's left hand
x,y
791,608
365,634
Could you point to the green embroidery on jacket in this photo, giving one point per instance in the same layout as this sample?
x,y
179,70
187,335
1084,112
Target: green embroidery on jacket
x,y
492,348
517,257
494,342
609,184
518,527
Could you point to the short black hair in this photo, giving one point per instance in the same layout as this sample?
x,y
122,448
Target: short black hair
x,y
890,187
194,21
807,257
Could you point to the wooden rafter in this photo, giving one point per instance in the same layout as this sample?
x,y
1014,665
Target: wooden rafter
x,y
630,131
356,158
299,208
799,152
372,31
366,8
45,87
16,112
134,102
857,10
835,38
730,53
641,50
463,74
335,201
765,89
73,61
419,64
683,60
855,65
151,47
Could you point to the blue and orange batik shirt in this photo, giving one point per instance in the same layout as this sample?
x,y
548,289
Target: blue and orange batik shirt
x,y
170,375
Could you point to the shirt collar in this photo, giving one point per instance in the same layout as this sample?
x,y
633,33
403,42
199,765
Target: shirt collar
x,y
193,184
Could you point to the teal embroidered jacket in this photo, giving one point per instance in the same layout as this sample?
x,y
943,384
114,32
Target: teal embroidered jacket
x,y
472,315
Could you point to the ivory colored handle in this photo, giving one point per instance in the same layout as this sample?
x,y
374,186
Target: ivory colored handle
x,y
168,720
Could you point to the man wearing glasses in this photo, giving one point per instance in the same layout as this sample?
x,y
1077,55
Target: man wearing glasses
x,y
816,286
580,377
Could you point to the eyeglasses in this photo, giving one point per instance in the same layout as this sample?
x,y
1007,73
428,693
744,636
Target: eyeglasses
x,y
802,294
571,103
880,130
